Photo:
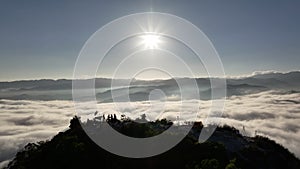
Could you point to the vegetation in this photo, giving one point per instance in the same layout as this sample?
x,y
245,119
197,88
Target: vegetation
x,y
74,149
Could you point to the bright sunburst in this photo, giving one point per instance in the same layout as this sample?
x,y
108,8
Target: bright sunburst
x,y
150,41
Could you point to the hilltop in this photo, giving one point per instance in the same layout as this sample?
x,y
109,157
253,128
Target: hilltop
x,y
227,148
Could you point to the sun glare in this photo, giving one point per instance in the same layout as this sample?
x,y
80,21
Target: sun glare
x,y
150,41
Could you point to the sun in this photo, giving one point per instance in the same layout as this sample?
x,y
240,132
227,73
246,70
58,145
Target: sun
x,y
150,41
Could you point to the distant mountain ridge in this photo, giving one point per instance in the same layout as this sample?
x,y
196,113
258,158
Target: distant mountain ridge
x,y
61,89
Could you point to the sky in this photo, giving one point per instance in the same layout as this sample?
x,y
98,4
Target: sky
x,y
42,39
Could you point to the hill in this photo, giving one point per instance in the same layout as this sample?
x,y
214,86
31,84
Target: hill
x,y
227,148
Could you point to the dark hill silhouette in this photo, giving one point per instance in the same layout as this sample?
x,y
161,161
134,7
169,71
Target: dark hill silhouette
x,y
227,148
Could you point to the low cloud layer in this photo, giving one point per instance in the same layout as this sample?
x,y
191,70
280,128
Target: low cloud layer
x,y
273,114
30,121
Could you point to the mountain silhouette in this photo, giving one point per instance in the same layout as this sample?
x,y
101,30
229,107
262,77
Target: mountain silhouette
x,y
227,148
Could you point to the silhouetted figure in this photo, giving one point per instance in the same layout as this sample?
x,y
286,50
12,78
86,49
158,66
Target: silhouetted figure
x,y
115,117
143,117
244,130
123,117
103,117
95,113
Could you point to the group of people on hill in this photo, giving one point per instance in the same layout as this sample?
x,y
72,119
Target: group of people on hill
x,y
110,117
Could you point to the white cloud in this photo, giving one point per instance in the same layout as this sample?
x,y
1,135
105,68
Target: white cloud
x,y
4,163
269,113
263,72
29,121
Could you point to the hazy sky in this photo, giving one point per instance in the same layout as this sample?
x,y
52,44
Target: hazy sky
x,y
42,39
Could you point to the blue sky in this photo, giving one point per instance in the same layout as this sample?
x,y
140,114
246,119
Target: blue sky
x,y
42,39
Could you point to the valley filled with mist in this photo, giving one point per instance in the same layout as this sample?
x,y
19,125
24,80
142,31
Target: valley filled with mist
x,y
264,104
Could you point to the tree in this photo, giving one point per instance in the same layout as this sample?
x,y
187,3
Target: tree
x,y
210,164
74,123
142,119
231,165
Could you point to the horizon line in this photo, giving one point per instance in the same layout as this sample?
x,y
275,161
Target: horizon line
x,y
146,79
